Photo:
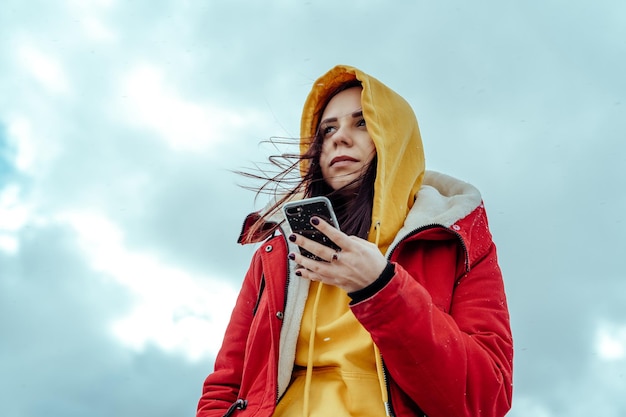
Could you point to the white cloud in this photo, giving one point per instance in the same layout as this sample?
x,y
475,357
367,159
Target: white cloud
x,y
611,341
152,103
20,132
8,243
90,14
175,310
91,3
44,68
34,147
97,30
14,214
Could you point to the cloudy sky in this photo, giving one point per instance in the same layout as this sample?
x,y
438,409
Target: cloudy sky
x,y
121,124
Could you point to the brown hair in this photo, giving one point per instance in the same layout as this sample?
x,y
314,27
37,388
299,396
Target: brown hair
x,y
353,207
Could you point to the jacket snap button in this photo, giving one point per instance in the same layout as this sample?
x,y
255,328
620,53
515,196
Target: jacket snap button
x,y
268,248
280,315
456,227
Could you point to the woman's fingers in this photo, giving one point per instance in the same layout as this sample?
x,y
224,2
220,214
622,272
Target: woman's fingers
x,y
354,266
334,234
317,249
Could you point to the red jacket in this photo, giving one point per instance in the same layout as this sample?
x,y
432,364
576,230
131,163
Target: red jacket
x,y
441,324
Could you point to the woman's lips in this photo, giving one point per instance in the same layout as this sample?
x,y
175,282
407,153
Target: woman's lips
x,y
342,158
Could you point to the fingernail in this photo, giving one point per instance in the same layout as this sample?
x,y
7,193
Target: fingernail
x,y
292,256
315,221
299,273
292,237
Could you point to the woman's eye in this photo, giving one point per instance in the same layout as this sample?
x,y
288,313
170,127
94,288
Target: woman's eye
x,y
361,123
326,130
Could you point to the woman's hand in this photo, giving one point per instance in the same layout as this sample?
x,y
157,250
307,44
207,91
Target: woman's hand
x,y
354,267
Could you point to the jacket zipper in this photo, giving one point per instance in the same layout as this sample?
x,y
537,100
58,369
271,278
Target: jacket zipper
x,y
237,405
284,307
389,405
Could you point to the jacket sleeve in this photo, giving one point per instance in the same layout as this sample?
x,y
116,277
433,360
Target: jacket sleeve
x,y
221,387
450,363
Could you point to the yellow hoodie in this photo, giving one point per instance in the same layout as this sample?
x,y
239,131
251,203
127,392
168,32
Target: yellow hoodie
x,y
337,368
393,128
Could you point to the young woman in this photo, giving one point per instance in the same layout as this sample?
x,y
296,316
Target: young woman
x,y
408,318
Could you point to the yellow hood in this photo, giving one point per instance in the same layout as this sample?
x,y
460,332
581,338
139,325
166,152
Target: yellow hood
x,y
393,127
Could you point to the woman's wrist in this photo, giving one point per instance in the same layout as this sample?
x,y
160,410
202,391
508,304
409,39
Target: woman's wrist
x,y
378,284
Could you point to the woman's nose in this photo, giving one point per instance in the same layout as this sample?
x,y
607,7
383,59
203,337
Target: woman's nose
x,y
342,137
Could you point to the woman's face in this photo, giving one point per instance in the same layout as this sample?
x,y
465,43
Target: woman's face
x,y
347,148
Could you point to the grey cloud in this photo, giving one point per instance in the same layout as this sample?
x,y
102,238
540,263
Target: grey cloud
x,y
58,355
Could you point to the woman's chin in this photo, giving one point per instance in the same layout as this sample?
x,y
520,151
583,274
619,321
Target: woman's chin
x,y
346,180
345,184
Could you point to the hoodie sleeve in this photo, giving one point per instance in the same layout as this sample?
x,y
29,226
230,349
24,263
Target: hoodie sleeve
x,y
452,358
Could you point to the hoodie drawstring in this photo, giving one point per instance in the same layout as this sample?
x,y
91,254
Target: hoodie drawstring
x,y
309,362
382,380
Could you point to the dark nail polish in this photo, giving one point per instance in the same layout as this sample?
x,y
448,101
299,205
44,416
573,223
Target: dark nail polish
x,y
292,237
299,273
292,256
315,221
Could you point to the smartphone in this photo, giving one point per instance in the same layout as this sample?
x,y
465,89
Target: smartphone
x,y
298,215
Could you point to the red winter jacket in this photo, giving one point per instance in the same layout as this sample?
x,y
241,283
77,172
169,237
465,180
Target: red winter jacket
x,y
441,323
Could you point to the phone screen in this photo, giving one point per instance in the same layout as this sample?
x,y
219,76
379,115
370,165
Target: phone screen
x,y
299,213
